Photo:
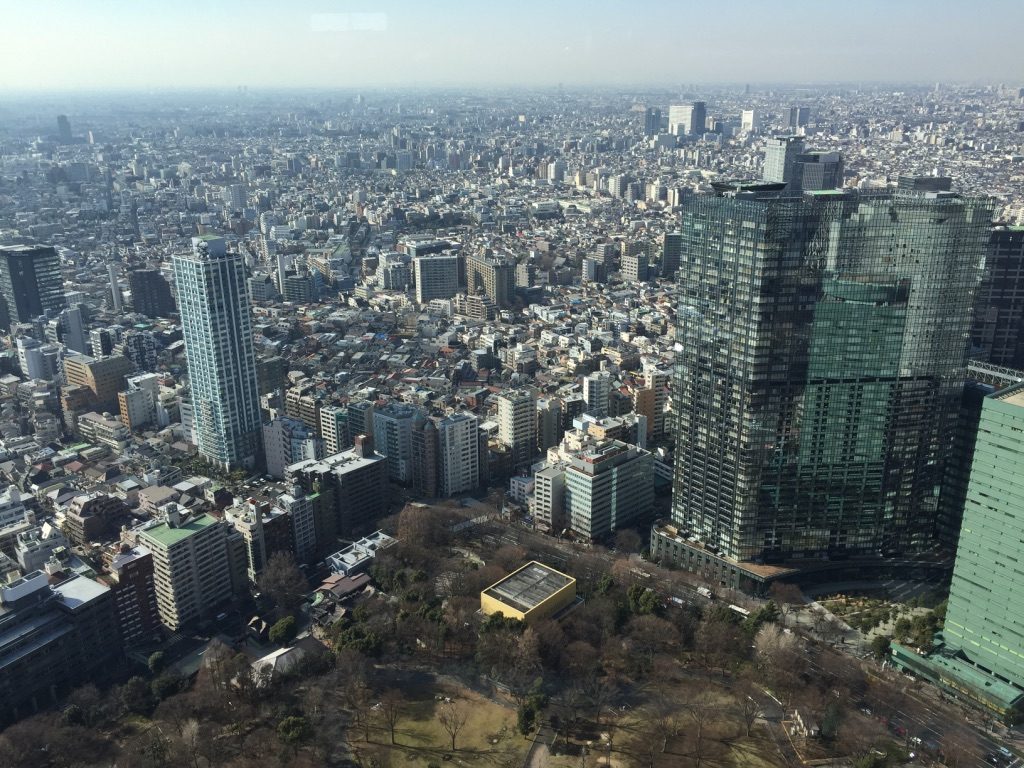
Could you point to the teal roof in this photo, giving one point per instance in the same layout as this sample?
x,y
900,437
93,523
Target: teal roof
x,y
165,536
954,670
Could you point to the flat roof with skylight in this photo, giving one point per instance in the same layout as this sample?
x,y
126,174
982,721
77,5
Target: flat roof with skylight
x,y
533,592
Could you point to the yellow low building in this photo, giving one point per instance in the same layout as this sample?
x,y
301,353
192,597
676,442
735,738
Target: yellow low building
x,y
532,593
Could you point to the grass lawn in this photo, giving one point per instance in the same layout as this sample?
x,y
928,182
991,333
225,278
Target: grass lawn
x,y
489,737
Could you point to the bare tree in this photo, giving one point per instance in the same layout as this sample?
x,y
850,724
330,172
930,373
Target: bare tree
x,y
392,702
453,718
601,691
747,709
190,740
787,597
283,582
627,540
701,711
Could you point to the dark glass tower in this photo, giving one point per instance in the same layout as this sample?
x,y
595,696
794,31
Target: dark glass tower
x,y
151,295
821,357
30,283
998,334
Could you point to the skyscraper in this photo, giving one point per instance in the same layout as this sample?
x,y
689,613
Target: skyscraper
x,y
798,117
785,161
671,253
687,119
822,356
151,295
30,283
980,653
984,614
780,155
652,121
64,129
998,333
217,329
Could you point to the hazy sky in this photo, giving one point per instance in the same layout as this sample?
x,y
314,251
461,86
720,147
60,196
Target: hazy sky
x,y
57,44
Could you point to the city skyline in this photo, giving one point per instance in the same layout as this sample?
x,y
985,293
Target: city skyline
x,y
322,45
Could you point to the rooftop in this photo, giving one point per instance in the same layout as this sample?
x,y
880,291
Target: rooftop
x,y
166,536
1012,395
79,590
529,586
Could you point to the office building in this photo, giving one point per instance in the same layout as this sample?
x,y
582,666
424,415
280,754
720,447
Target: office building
x,y
671,254
459,453
103,377
548,508
597,391
750,121
287,441
37,360
392,437
334,428
634,267
31,284
131,579
52,640
426,460
359,418
140,404
780,154
115,289
799,117
493,276
217,329
517,424
436,276
652,121
832,436
787,162
348,491
818,171
550,428
687,119
608,486
70,329
192,573
980,655
998,333
63,129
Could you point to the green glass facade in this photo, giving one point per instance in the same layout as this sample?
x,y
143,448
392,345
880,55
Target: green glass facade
x,y
822,343
985,617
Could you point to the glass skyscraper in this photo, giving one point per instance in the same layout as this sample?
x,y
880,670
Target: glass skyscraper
x,y
821,354
980,653
31,284
217,328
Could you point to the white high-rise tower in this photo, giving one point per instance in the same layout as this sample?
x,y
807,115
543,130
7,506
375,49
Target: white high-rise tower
x,y
217,327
